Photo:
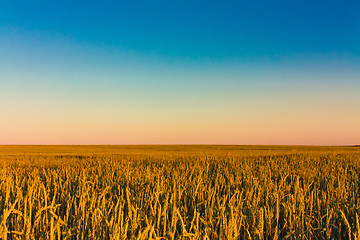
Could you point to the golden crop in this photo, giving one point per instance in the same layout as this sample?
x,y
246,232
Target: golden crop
x,y
179,192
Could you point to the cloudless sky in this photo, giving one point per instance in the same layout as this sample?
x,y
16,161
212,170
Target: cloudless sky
x,y
208,72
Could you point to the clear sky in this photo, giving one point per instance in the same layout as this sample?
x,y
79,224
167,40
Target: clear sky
x,y
186,72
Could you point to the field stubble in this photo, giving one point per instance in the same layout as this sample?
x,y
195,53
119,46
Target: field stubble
x,y
179,192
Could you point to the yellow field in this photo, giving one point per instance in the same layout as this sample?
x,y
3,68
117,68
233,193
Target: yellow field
x,y
179,192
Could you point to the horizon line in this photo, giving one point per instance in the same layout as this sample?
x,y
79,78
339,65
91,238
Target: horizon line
x,y
185,144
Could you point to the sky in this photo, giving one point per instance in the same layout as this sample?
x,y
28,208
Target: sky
x,y
180,72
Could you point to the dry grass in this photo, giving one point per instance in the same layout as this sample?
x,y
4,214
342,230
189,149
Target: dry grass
x,y
179,192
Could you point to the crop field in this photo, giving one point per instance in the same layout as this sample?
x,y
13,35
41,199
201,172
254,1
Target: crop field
x,y
179,192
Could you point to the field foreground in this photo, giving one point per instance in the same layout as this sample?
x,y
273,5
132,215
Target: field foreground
x,y
179,192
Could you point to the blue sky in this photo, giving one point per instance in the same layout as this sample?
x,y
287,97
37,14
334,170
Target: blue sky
x,y
196,29
237,72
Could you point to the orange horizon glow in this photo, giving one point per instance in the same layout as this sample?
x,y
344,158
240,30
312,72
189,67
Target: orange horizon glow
x,y
132,99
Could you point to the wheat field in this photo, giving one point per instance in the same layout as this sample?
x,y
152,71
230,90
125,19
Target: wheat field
x,y
179,192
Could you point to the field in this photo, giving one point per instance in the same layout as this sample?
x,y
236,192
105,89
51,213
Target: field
x,y
179,192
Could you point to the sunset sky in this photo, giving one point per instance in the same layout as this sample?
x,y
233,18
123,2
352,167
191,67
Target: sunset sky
x,y
180,72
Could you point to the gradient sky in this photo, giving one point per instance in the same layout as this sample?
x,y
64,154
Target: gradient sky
x,y
187,72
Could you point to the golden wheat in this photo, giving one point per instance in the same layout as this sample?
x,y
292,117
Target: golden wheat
x,y
179,192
